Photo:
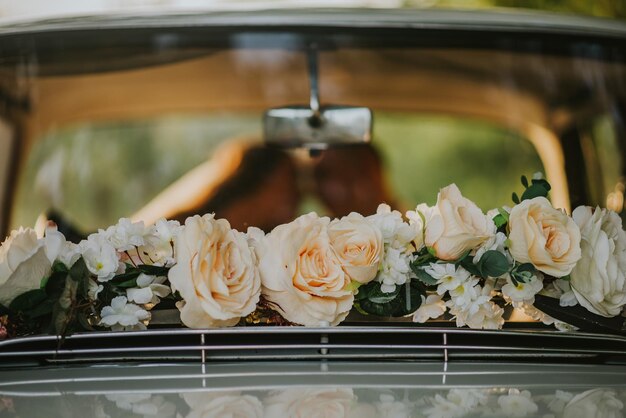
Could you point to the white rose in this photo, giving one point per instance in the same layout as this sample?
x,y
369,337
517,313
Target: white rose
x,y
302,275
599,279
595,403
358,245
544,236
304,403
23,264
455,225
228,404
216,273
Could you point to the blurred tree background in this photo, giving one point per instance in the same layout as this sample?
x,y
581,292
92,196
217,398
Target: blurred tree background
x,y
599,8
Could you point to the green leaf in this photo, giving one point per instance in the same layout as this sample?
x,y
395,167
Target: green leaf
x,y
59,267
55,285
127,284
432,251
525,181
493,264
153,270
128,275
376,295
536,190
408,298
543,183
515,198
566,278
469,265
28,300
499,220
44,308
424,277
353,285
79,270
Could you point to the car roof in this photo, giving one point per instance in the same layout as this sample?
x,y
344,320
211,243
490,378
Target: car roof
x,y
498,20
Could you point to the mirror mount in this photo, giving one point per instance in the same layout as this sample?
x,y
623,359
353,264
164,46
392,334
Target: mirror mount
x,y
315,126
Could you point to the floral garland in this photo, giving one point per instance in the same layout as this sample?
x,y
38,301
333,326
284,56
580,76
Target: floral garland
x,y
449,258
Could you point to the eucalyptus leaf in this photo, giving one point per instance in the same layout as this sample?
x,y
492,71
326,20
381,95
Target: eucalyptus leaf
x,y
408,299
468,265
535,190
525,181
493,264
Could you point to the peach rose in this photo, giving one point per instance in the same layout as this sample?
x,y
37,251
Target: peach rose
x,y
544,236
455,225
216,273
301,273
358,245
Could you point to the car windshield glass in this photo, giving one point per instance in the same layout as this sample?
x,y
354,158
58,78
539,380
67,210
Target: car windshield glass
x,y
142,133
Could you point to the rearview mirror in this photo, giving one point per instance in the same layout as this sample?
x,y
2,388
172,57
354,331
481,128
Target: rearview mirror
x,y
314,126
300,126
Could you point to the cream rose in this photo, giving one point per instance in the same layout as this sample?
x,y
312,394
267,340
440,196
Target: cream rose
x,y
301,273
23,264
599,279
304,403
216,273
359,246
455,224
544,236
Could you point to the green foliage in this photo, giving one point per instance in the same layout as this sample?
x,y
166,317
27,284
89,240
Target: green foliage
x,y
27,301
493,264
522,273
404,300
536,188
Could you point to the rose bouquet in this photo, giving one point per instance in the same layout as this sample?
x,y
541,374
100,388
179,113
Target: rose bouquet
x,y
449,260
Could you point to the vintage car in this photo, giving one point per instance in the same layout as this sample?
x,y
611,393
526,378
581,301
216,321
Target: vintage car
x,y
261,116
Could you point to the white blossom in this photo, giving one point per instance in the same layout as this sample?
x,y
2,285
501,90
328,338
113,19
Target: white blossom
x,y
432,307
448,276
467,294
100,257
523,291
166,230
480,312
122,315
126,235
150,289
396,232
94,289
395,269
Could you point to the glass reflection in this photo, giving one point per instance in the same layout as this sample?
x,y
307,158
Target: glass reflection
x,y
331,402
